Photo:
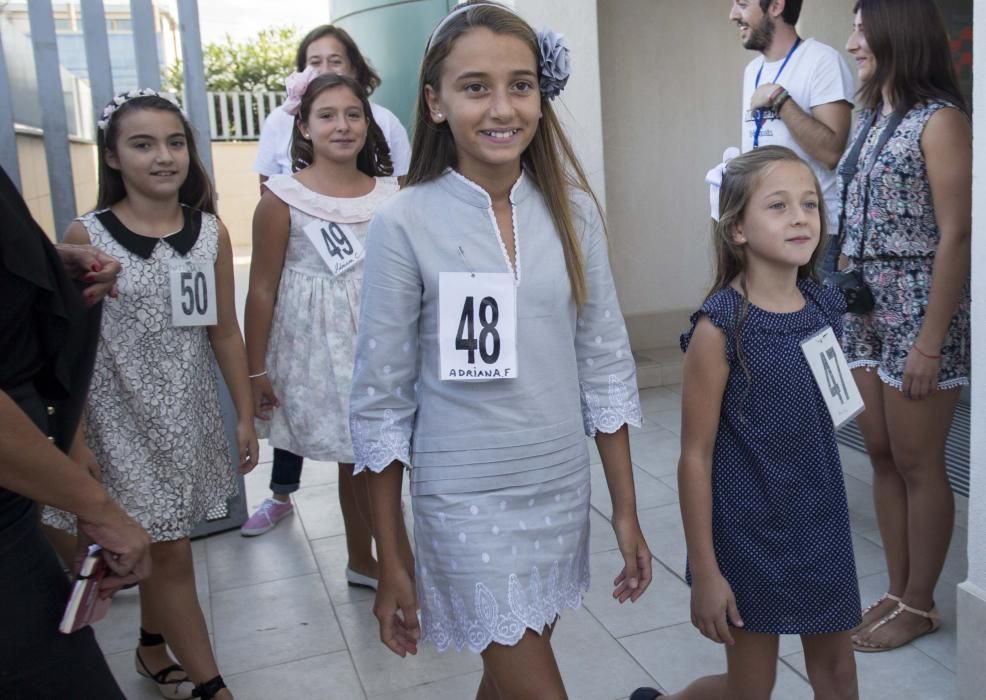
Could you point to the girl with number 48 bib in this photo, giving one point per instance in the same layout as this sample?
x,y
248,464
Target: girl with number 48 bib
x,y
490,343
762,494
152,418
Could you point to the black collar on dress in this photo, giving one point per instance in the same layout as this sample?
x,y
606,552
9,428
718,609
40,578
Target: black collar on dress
x,y
182,241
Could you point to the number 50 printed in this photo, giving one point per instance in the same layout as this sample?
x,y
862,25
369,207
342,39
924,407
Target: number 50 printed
x,y
193,293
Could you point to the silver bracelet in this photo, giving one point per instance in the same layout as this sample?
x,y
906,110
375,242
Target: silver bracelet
x,y
254,376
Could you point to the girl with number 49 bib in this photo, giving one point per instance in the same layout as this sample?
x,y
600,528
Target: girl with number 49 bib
x,y
152,418
489,317
762,494
308,235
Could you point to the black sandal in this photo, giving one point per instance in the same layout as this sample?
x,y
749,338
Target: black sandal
x,y
173,688
209,688
646,694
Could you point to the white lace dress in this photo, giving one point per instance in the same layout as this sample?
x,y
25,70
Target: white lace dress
x,y
500,477
152,418
312,343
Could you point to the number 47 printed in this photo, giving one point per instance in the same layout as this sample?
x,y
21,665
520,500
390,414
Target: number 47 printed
x,y
831,371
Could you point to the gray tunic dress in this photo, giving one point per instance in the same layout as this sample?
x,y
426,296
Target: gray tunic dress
x,y
500,484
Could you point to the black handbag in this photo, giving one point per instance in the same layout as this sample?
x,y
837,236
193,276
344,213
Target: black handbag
x,y
858,295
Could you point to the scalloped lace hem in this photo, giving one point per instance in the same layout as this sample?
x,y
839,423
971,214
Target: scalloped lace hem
x,y
623,408
447,622
392,443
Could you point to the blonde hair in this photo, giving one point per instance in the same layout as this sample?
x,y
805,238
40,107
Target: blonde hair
x,y
549,160
743,175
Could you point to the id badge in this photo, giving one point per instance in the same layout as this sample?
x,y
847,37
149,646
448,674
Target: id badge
x,y
833,376
193,293
336,244
477,326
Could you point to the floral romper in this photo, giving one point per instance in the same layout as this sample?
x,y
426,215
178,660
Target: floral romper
x,y
901,239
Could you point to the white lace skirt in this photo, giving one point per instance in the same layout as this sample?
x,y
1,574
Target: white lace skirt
x,y
494,564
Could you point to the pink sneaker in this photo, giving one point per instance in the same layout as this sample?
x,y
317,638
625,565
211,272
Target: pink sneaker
x,y
267,516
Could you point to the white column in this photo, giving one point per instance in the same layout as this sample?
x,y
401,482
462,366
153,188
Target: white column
x,y
972,593
578,106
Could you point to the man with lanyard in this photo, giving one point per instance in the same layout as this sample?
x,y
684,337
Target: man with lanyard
x,y
798,93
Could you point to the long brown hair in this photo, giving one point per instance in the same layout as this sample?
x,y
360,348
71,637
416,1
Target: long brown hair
x,y
374,157
743,175
909,40
196,192
365,75
549,160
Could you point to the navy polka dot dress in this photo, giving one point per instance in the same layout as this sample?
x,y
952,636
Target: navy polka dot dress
x,y
780,521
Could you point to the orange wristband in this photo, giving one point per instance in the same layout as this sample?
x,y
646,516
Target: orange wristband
x,y
922,353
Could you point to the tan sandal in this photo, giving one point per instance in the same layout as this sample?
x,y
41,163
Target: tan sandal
x,y
930,615
864,626
886,596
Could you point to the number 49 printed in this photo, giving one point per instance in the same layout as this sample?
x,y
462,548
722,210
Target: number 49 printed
x,y
336,245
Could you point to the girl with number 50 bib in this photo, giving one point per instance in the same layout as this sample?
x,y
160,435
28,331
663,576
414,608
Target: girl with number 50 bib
x,y
762,495
491,340
152,418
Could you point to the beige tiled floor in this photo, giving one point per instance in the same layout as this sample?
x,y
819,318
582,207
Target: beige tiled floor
x,y
285,624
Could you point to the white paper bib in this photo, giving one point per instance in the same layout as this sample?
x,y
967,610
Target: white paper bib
x,y
193,293
833,376
336,245
477,326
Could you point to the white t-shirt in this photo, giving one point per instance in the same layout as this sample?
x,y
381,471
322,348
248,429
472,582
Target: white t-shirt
x,y
815,75
274,148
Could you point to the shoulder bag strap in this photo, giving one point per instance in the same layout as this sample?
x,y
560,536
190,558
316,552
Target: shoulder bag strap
x,y
850,168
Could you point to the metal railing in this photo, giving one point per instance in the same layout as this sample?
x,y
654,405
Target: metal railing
x,y
238,116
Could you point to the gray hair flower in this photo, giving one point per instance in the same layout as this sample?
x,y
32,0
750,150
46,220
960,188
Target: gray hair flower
x,y
555,63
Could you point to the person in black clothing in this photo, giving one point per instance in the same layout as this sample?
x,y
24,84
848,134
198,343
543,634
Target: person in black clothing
x,y
47,342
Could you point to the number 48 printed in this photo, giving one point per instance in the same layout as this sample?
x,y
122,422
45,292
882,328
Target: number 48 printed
x,y
465,339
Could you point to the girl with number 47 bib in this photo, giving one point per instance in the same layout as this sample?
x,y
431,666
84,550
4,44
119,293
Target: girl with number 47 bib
x,y
489,317
762,494
308,235
152,418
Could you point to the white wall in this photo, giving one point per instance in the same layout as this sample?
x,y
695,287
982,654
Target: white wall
x,y
671,93
671,104
977,492
971,596
578,106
